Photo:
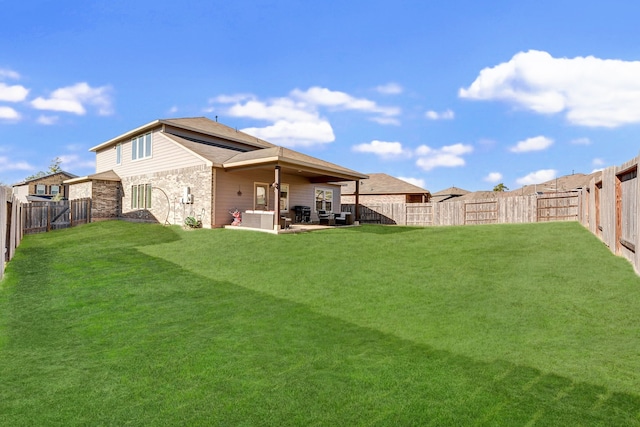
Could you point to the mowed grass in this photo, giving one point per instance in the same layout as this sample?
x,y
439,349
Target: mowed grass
x,y
131,324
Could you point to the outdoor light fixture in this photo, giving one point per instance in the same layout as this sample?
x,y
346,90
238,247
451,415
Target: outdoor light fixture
x,y
239,192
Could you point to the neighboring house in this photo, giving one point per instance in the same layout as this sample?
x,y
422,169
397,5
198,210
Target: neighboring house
x,y
566,183
383,188
43,188
448,194
167,170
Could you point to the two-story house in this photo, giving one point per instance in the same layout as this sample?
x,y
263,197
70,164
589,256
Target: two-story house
x,y
43,188
167,170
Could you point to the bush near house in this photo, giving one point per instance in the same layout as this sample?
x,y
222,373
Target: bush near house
x,y
115,323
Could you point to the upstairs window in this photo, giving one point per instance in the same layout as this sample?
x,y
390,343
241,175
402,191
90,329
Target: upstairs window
x,y
41,189
55,189
141,147
118,154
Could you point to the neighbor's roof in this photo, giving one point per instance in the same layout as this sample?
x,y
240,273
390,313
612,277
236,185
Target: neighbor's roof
x,y
381,183
197,124
70,175
448,193
561,184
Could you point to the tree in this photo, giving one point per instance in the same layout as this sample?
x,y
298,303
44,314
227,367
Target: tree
x,y
500,187
54,167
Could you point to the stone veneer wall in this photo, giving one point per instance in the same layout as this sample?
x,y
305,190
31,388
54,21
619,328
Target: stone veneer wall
x,y
166,195
106,200
81,190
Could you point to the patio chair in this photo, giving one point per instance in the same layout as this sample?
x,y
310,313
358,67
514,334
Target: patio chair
x,y
342,218
324,217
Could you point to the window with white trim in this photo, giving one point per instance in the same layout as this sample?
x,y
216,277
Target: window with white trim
x,y
141,147
324,199
118,154
41,189
55,189
284,197
141,196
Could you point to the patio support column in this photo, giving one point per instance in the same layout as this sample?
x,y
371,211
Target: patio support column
x,y
276,200
357,213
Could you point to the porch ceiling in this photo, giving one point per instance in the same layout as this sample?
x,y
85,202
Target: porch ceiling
x,y
314,175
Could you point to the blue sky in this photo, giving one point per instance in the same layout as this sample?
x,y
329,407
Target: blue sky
x,y
457,93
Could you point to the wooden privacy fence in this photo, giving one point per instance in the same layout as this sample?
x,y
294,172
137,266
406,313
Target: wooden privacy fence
x,y
40,217
502,209
10,226
611,210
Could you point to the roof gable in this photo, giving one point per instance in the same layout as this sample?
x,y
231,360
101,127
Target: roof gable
x,y
64,173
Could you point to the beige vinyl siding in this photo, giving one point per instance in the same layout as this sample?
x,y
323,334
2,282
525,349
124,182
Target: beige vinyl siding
x,y
227,184
166,154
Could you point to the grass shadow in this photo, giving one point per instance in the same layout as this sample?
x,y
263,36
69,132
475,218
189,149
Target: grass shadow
x,y
120,337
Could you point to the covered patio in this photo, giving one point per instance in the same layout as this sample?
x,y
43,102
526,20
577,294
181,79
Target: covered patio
x,y
296,167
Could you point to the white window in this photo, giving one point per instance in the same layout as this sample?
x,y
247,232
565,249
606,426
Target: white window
x,y
41,189
55,189
261,198
141,196
118,154
324,199
284,197
141,147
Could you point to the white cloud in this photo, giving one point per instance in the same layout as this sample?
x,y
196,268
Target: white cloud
x,y
598,162
434,115
274,110
537,177
415,181
382,148
320,96
14,93
7,164
590,91
537,143
8,113
47,120
231,99
74,161
386,121
292,133
9,74
296,120
581,141
447,156
493,177
390,89
72,99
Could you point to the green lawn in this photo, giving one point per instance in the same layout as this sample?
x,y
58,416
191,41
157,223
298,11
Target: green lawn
x,y
130,324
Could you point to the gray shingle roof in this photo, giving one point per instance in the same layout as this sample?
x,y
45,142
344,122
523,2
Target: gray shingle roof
x,y
381,183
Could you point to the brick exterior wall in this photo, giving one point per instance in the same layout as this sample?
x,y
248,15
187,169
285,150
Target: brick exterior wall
x,y
374,199
166,194
106,200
